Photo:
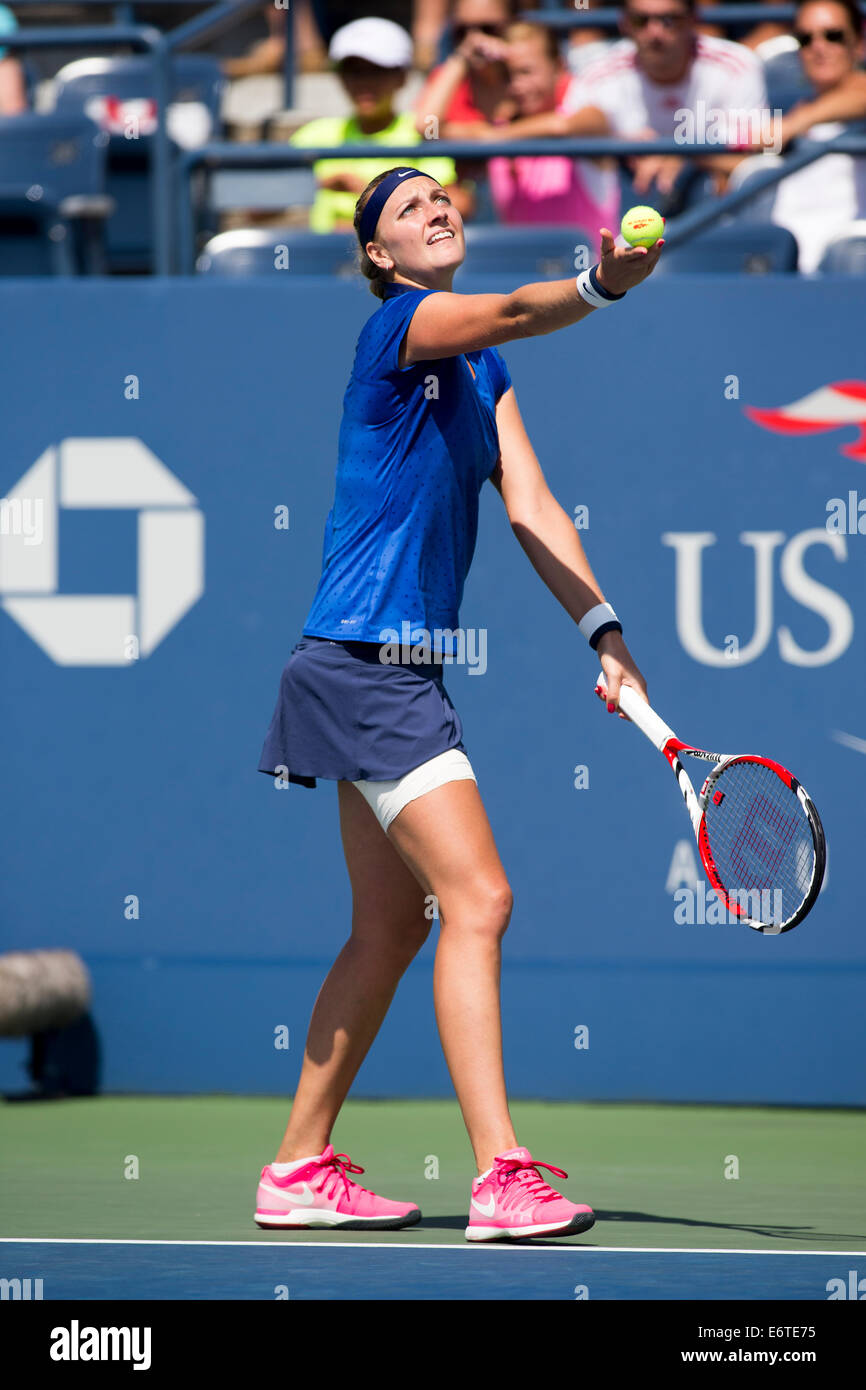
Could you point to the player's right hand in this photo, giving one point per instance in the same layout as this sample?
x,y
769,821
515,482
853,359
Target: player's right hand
x,y
619,669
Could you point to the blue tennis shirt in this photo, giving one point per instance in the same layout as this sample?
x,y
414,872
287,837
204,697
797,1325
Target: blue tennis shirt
x,y
415,447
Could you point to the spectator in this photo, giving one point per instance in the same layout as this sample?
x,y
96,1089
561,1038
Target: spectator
x,y
817,202
269,54
472,85
373,58
316,21
429,18
424,18
585,42
13,88
556,189
662,68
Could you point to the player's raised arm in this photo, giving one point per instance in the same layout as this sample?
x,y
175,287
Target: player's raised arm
x,y
446,324
411,237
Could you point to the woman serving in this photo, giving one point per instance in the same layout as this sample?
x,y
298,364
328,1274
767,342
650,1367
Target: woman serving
x,y
428,415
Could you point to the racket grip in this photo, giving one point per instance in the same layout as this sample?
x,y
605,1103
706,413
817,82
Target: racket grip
x,y
640,713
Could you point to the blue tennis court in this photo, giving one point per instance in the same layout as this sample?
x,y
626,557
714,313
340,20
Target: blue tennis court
x,y
348,1270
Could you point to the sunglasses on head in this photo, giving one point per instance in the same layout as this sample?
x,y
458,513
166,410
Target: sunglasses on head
x,y
804,37
667,21
461,30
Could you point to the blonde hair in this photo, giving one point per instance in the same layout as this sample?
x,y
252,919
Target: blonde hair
x,y
521,32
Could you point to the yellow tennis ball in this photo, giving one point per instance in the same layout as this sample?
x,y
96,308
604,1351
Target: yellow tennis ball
x,y
642,226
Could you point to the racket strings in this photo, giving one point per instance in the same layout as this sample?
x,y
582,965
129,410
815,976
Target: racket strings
x,y
760,840
763,814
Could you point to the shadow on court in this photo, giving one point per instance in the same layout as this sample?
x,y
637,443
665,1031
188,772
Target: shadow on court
x,y
770,1230
767,1229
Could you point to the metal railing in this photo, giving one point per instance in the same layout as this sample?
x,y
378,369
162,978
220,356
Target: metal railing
x,y
170,198
160,47
214,157
124,14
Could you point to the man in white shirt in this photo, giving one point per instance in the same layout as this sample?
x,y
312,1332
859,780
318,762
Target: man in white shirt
x,y
665,80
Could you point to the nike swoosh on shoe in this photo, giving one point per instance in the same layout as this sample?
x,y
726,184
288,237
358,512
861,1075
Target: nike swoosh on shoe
x,y
487,1209
305,1197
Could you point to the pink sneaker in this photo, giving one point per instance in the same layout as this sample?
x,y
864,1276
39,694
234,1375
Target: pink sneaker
x,y
320,1194
513,1202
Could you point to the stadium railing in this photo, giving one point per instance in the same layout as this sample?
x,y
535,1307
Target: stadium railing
x,y
123,12
209,158
216,20
160,46
559,14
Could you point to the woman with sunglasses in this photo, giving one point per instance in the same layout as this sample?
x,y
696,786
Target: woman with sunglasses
x,y
469,88
399,541
818,202
472,83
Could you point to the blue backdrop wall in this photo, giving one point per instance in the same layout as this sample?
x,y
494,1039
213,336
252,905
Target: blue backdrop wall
x,y
171,430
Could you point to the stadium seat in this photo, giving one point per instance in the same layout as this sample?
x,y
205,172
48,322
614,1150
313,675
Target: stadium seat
x,y
111,89
266,190
117,93
786,82
846,253
256,251
538,252
52,195
759,208
34,238
756,248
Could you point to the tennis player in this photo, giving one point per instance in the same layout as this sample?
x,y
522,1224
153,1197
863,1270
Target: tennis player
x,y
429,414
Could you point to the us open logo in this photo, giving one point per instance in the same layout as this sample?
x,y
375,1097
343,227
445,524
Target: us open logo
x,y
102,629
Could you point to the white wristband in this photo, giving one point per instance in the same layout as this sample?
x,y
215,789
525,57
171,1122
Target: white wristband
x,y
597,622
590,288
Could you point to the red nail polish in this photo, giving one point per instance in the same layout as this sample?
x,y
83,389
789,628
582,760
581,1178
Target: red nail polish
x,y
610,707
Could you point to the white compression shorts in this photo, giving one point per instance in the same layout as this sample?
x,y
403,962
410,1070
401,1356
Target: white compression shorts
x,y
386,799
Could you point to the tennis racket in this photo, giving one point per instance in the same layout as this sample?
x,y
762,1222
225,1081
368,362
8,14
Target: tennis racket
x,y
759,835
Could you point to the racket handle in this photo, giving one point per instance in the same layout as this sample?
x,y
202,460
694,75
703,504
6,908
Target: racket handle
x,y
640,713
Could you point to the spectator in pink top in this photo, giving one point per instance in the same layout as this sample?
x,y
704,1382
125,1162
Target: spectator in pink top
x,y
548,189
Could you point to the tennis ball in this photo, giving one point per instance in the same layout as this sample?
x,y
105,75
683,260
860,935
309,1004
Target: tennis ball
x,y
642,226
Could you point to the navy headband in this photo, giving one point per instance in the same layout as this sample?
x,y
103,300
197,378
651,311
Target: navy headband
x,y
379,197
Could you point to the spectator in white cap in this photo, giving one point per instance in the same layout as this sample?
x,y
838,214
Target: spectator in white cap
x,y
372,58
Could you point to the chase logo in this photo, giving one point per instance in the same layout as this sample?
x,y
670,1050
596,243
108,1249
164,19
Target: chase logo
x,y
100,629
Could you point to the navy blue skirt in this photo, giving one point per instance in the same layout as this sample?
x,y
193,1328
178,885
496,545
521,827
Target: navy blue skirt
x,y
343,715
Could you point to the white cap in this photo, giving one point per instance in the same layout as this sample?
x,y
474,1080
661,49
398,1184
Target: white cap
x,y
380,41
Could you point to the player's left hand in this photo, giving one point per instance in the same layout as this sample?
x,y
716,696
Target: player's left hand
x,y
623,267
619,669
